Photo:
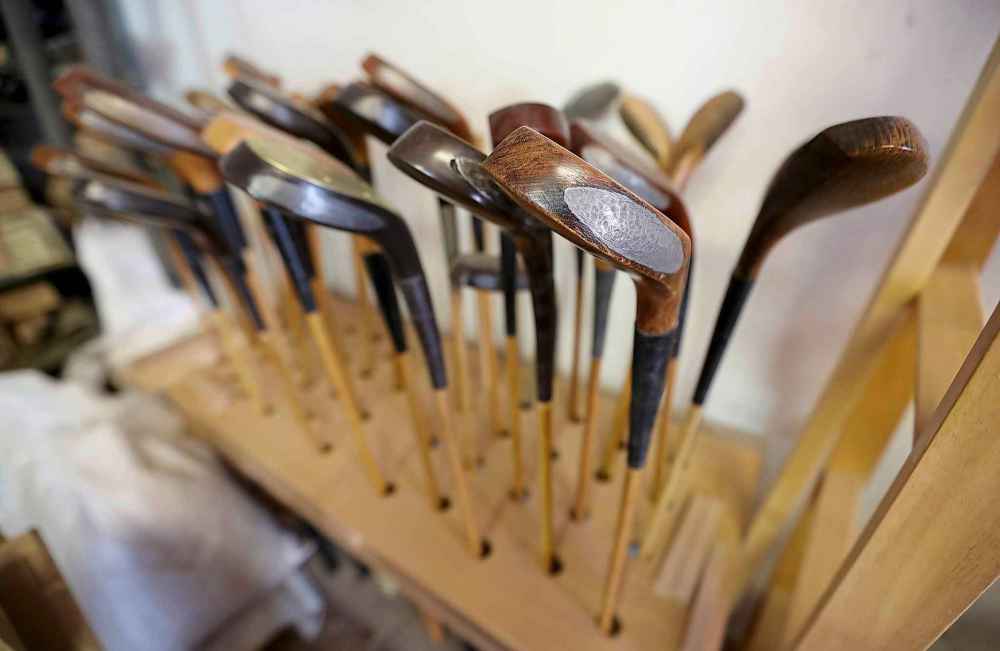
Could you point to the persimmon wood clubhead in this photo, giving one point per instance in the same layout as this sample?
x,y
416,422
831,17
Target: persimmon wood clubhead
x,y
651,184
236,67
224,134
406,89
844,166
301,120
593,103
649,128
194,236
702,131
386,118
450,167
321,190
594,212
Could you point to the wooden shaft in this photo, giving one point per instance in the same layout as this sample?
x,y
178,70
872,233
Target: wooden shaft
x,y
489,368
669,504
367,327
619,553
324,310
432,626
335,370
461,372
545,482
616,435
237,355
282,346
514,409
473,537
420,432
268,344
318,286
295,319
661,453
574,382
581,508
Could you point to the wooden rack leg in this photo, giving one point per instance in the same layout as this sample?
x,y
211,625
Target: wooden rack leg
x,y
461,374
669,504
616,435
334,368
473,538
581,508
489,368
662,448
437,500
619,553
514,409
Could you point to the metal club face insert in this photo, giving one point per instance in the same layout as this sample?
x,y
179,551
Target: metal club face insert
x,y
626,227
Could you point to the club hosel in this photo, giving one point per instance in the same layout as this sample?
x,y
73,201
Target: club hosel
x,y
449,230
418,301
650,354
536,251
193,258
604,283
725,323
380,274
682,317
281,232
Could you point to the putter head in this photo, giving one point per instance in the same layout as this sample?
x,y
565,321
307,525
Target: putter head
x,y
707,125
600,216
236,67
66,163
593,102
646,124
482,271
406,89
449,166
645,180
298,118
373,111
843,167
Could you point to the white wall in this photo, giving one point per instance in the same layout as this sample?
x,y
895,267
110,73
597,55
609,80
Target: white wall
x,y
801,66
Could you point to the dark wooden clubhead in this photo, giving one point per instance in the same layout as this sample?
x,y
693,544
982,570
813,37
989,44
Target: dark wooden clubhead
x,y
597,214
844,166
374,111
408,90
282,111
593,102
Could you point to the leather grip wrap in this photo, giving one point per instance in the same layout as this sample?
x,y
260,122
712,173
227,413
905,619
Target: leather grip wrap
x,y
418,301
193,258
650,354
380,275
604,284
537,255
281,232
725,323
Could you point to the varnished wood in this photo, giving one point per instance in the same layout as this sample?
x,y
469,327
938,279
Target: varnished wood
x,y
678,577
593,102
463,399
705,127
435,497
573,397
941,507
546,488
206,102
616,565
512,355
489,366
615,439
474,540
64,162
236,66
649,128
967,160
581,507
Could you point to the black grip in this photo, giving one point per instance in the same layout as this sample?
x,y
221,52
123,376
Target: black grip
x,y
682,317
508,279
418,301
536,251
725,323
449,230
579,265
281,232
380,275
478,239
221,204
193,258
650,354
604,284
237,275
300,233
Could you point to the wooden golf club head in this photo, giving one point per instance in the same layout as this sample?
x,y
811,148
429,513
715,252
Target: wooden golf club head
x,y
706,126
593,102
844,166
95,123
482,271
546,120
237,67
374,111
393,80
66,163
205,102
597,214
284,112
612,158
646,124
318,188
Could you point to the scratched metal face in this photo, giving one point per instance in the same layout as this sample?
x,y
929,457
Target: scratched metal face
x,y
626,227
602,159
